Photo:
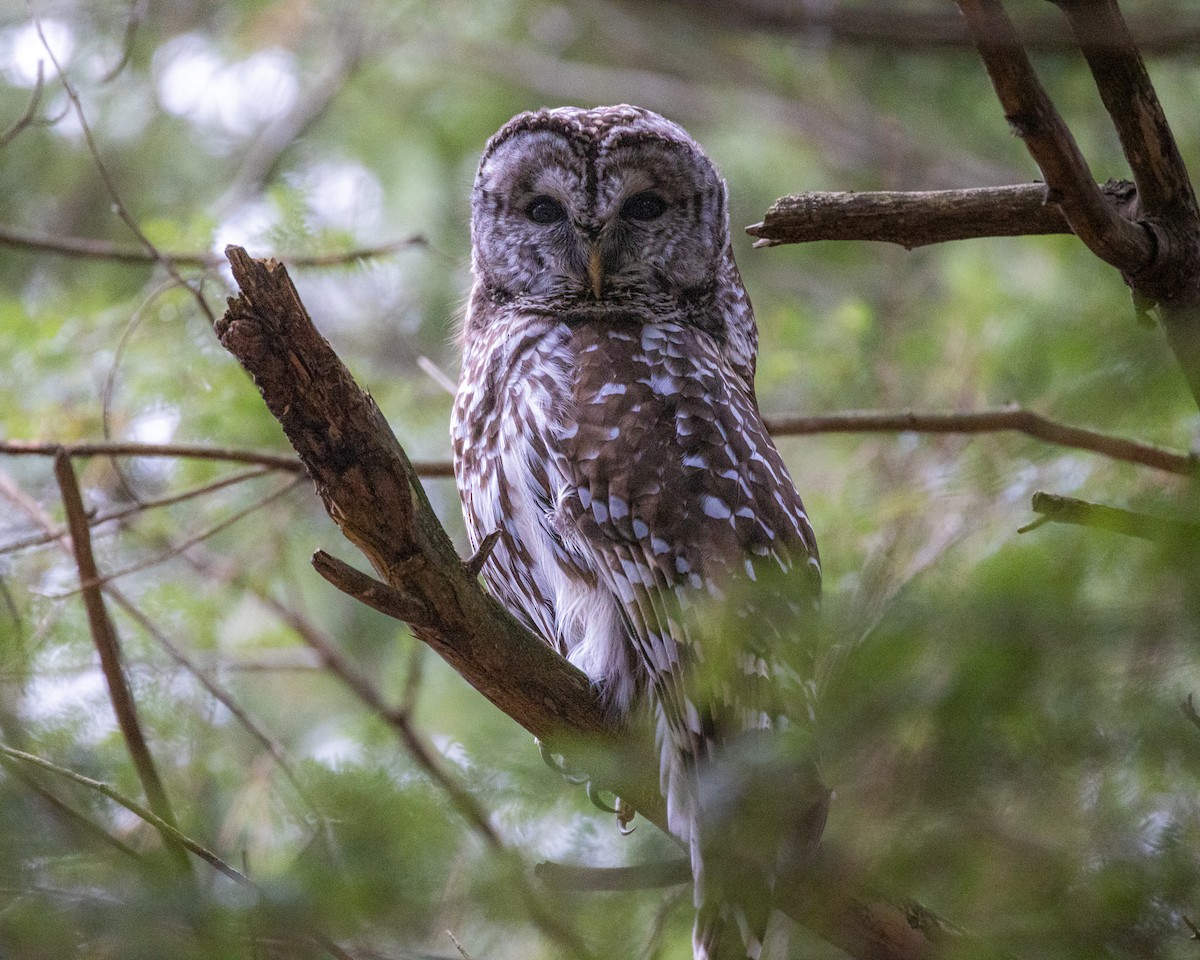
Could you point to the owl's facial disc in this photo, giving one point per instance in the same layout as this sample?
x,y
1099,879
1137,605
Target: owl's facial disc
x,y
624,217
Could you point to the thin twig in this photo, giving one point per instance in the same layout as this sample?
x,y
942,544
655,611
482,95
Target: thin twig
x,y
110,383
1035,120
212,531
782,425
87,248
98,519
191,451
641,876
216,690
104,636
1056,509
920,218
362,687
458,946
110,185
219,692
171,834
988,421
68,814
26,119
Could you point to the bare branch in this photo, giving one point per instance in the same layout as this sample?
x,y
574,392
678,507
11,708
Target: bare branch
x,y
989,421
27,118
34,511
104,636
171,833
109,184
176,549
1172,280
192,451
137,254
1165,30
96,520
68,815
1146,138
1056,509
1035,120
919,218
781,425
366,482
642,876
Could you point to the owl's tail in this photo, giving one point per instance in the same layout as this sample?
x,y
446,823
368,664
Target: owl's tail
x,y
741,826
728,928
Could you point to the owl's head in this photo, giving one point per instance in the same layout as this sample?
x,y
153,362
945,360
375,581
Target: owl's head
x,y
610,205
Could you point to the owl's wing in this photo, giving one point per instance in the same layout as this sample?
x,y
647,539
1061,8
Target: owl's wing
x,y
677,497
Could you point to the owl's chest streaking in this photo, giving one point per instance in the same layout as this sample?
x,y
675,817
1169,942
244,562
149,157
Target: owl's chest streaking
x,y
628,470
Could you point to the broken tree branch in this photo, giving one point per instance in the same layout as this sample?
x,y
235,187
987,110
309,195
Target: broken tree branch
x,y
370,490
919,218
1056,509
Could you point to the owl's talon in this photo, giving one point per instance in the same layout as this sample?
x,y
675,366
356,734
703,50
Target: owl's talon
x,y
625,815
474,563
555,763
593,794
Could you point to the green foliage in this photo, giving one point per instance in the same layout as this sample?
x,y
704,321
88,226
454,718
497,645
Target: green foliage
x,y
997,713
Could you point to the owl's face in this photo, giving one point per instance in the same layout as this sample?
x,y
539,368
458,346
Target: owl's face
x,y
579,207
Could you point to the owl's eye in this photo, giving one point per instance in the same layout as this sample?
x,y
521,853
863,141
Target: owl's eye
x,y
646,205
545,209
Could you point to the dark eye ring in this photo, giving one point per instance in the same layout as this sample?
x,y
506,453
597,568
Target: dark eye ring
x,y
543,209
646,205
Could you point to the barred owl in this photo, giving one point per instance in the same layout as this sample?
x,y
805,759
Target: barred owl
x,y
606,427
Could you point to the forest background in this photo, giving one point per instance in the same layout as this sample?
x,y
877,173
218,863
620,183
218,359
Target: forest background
x,y
999,711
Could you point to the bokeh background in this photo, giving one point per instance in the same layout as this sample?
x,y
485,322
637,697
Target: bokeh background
x,y
999,712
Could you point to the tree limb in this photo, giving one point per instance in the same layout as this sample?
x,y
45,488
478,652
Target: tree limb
x,y
104,635
1128,95
1056,509
370,490
193,451
1033,118
919,218
1172,279
92,249
641,876
1162,28
781,425
989,421
170,832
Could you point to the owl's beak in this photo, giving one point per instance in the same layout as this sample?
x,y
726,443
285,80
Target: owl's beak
x,y
595,270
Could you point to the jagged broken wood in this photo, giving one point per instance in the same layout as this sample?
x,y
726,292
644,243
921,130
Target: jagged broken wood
x,y
1057,509
371,491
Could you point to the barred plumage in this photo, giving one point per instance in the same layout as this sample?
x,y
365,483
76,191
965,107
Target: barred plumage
x,y
606,425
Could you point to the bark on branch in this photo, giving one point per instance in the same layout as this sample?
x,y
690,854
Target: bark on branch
x,y
1150,231
370,490
1033,117
919,218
